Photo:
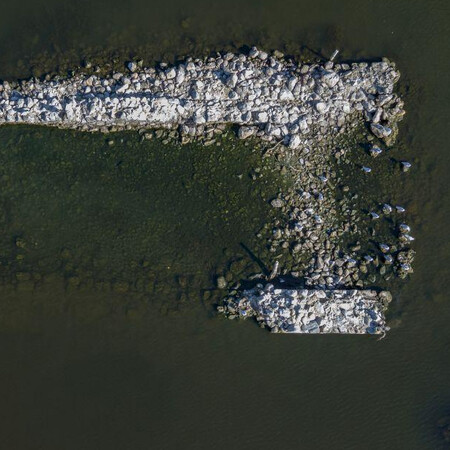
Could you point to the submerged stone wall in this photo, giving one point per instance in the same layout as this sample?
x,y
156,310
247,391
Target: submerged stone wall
x,y
273,98
311,310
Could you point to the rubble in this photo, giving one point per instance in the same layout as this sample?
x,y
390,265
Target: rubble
x,y
311,310
269,97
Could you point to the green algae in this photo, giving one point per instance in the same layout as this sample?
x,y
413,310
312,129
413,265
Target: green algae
x,y
138,217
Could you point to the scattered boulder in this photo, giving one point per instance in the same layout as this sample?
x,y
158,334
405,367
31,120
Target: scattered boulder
x,y
277,203
132,66
380,131
221,282
246,132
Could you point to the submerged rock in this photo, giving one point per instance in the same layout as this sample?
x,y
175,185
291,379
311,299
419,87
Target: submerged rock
x,y
277,203
221,282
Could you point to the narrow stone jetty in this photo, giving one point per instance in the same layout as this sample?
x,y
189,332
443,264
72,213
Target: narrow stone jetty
x,y
311,310
267,96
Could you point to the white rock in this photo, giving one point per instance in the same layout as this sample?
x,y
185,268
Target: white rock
x,y
294,142
285,94
321,107
331,79
171,74
262,117
232,80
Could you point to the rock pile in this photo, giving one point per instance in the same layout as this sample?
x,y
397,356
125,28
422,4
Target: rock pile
x,y
311,311
269,97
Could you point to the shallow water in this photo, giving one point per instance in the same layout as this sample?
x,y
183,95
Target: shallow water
x,y
118,212
91,362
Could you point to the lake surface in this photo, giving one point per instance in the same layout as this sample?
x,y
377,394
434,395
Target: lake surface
x,y
109,252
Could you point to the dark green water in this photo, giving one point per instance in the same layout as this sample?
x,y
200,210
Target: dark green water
x,y
100,348
133,216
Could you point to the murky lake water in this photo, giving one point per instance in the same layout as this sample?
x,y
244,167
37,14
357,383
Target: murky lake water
x,y
108,253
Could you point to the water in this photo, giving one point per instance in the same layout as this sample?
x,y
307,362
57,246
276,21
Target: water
x,y
115,212
87,365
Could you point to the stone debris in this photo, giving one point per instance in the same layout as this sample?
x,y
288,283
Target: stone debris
x,y
311,310
269,97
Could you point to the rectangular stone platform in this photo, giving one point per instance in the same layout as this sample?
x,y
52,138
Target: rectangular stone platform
x,y
312,310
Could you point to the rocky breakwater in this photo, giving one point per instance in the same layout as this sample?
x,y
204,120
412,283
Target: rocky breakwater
x,y
311,310
267,96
